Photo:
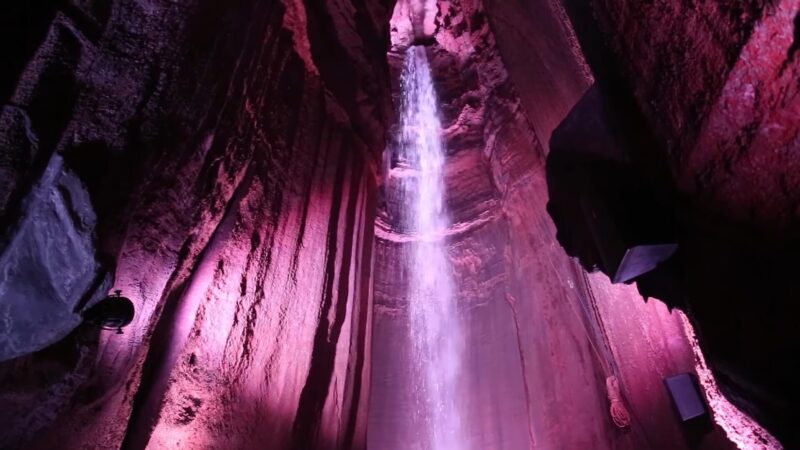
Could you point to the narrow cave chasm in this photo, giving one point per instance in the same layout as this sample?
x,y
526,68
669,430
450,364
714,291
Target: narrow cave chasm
x,y
362,224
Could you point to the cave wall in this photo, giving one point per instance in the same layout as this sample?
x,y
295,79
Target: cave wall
x,y
541,334
194,153
712,80
224,165
744,164
679,53
711,87
542,57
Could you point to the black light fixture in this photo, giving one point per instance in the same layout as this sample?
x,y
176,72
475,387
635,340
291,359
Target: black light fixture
x,y
111,313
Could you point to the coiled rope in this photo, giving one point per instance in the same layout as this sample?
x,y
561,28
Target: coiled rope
x,y
619,414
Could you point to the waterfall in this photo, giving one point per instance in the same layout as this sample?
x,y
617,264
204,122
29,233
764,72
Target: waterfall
x,y
435,332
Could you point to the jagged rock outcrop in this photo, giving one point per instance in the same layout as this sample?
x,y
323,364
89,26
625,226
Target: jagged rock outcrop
x,y
549,71
50,271
230,162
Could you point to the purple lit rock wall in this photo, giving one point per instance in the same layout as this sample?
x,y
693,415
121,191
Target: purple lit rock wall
x,y
230,166
715,83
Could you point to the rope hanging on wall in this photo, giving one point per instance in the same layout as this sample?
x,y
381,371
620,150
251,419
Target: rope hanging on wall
x,y
619,414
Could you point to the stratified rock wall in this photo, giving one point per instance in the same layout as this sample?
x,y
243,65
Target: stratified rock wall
x,y
712,80
230,162
744,165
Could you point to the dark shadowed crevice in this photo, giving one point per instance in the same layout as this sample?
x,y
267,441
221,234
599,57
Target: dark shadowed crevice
x,y
23,26
143,414
521,350
796,43
48,110
305,431
359,345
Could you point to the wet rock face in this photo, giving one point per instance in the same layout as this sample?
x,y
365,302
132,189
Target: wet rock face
x,y
710,85
229,161
550,71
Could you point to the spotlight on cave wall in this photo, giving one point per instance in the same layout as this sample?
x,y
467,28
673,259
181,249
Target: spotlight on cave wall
x,y
111,313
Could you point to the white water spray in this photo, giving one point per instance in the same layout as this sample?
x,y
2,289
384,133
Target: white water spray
x,y
436,337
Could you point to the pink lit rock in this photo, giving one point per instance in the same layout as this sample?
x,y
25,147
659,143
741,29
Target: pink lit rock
x,y
231,163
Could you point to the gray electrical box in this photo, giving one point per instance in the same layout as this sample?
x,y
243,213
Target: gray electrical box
x,y
686,396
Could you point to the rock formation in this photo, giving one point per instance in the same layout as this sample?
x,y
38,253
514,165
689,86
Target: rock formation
x,y
228,166
542,336
705,98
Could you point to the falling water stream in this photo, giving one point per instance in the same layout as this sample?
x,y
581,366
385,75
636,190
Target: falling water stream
x,y
436,335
